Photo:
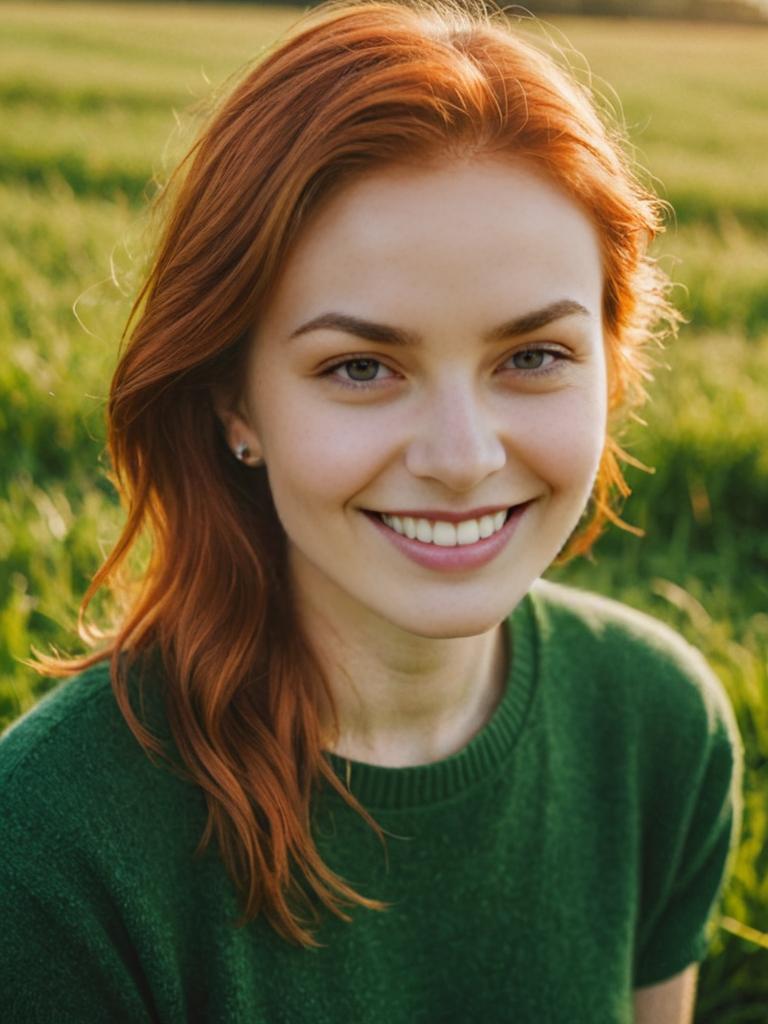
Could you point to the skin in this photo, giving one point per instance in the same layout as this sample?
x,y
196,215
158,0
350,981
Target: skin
x,y
670,1002
452,423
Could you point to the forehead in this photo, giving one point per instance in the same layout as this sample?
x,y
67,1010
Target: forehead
x,y
457,236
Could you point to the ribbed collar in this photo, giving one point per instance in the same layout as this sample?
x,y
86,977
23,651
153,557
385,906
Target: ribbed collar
x,y
419,785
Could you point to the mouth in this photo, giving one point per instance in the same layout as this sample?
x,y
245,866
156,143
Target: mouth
x,y
444,533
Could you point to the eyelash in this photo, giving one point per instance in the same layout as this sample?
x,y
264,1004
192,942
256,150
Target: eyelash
x,y
355,385
358,385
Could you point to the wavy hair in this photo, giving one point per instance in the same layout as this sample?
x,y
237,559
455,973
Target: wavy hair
x,y
352,87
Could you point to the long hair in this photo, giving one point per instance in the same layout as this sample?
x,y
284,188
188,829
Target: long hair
x,y
353,87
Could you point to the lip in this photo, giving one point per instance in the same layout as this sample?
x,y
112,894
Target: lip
x,y
460,558
438,515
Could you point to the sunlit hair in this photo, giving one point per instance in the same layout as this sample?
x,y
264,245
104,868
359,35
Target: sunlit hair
x,y
352,87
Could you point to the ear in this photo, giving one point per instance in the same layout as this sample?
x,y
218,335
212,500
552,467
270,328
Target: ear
x,y
242,438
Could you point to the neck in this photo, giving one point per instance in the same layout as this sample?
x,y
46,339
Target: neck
x,y
406,700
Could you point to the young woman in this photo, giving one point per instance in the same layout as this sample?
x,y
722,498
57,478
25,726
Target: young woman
x,y
345,757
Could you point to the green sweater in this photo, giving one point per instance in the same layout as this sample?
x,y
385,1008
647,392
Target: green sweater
x,y
573,850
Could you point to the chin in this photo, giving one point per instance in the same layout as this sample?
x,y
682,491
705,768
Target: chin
x,y
452,624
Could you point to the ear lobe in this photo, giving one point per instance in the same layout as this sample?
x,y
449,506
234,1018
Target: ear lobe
x,y
241,437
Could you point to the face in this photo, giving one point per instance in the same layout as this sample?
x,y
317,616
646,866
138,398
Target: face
x,y
433,353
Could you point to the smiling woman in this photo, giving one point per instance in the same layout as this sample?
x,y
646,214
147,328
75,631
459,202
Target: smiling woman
x,y
369,393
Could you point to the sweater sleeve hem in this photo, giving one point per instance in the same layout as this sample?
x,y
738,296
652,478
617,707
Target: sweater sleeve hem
x,y
664,968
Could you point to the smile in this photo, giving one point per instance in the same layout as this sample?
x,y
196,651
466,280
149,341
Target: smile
x,y
453,547
445,534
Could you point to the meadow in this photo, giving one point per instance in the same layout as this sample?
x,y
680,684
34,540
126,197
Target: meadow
x,y
97,101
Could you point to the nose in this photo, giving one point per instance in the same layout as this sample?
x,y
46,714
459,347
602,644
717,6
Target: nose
x,y
455,441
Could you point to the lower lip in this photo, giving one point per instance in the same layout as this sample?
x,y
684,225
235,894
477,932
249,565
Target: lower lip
x,y
458,558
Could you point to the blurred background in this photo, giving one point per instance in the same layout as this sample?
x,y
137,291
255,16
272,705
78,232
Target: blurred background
x,y
97,101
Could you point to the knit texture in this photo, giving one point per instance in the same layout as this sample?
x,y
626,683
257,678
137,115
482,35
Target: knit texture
x,y
573,850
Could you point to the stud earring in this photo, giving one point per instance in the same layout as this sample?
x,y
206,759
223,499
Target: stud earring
x,y
243,454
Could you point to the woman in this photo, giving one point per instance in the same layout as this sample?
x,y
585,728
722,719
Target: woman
x,y
370,392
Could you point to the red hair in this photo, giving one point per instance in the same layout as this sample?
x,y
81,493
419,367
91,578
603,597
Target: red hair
x,y
352,87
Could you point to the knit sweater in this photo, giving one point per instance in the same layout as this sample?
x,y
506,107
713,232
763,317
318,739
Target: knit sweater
x,y
573,850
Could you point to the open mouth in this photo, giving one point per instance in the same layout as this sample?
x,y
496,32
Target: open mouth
x,y
445,534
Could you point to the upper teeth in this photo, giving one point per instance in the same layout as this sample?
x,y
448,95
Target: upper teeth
x,y
447,535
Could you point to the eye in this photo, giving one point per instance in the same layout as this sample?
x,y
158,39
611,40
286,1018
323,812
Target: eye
x,y
362,369
537,360
530,359
357,372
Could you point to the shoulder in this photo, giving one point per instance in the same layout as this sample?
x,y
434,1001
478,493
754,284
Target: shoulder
x,y
609,627
77,722
73,703
71,764
600,636
636,676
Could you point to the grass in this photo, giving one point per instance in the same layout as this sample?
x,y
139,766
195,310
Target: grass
x,y
92,99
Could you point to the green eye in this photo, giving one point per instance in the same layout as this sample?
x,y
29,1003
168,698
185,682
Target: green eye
x,y
362,369
359,373
530,359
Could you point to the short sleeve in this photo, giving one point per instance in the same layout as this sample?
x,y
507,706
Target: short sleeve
x,y
690,851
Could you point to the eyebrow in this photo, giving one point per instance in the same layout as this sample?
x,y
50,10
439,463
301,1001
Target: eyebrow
x,y
387,335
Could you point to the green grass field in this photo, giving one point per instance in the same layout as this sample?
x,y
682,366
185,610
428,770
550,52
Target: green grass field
x,y
98,100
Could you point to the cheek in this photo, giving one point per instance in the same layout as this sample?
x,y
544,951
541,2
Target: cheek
x,y
566,433
321,456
